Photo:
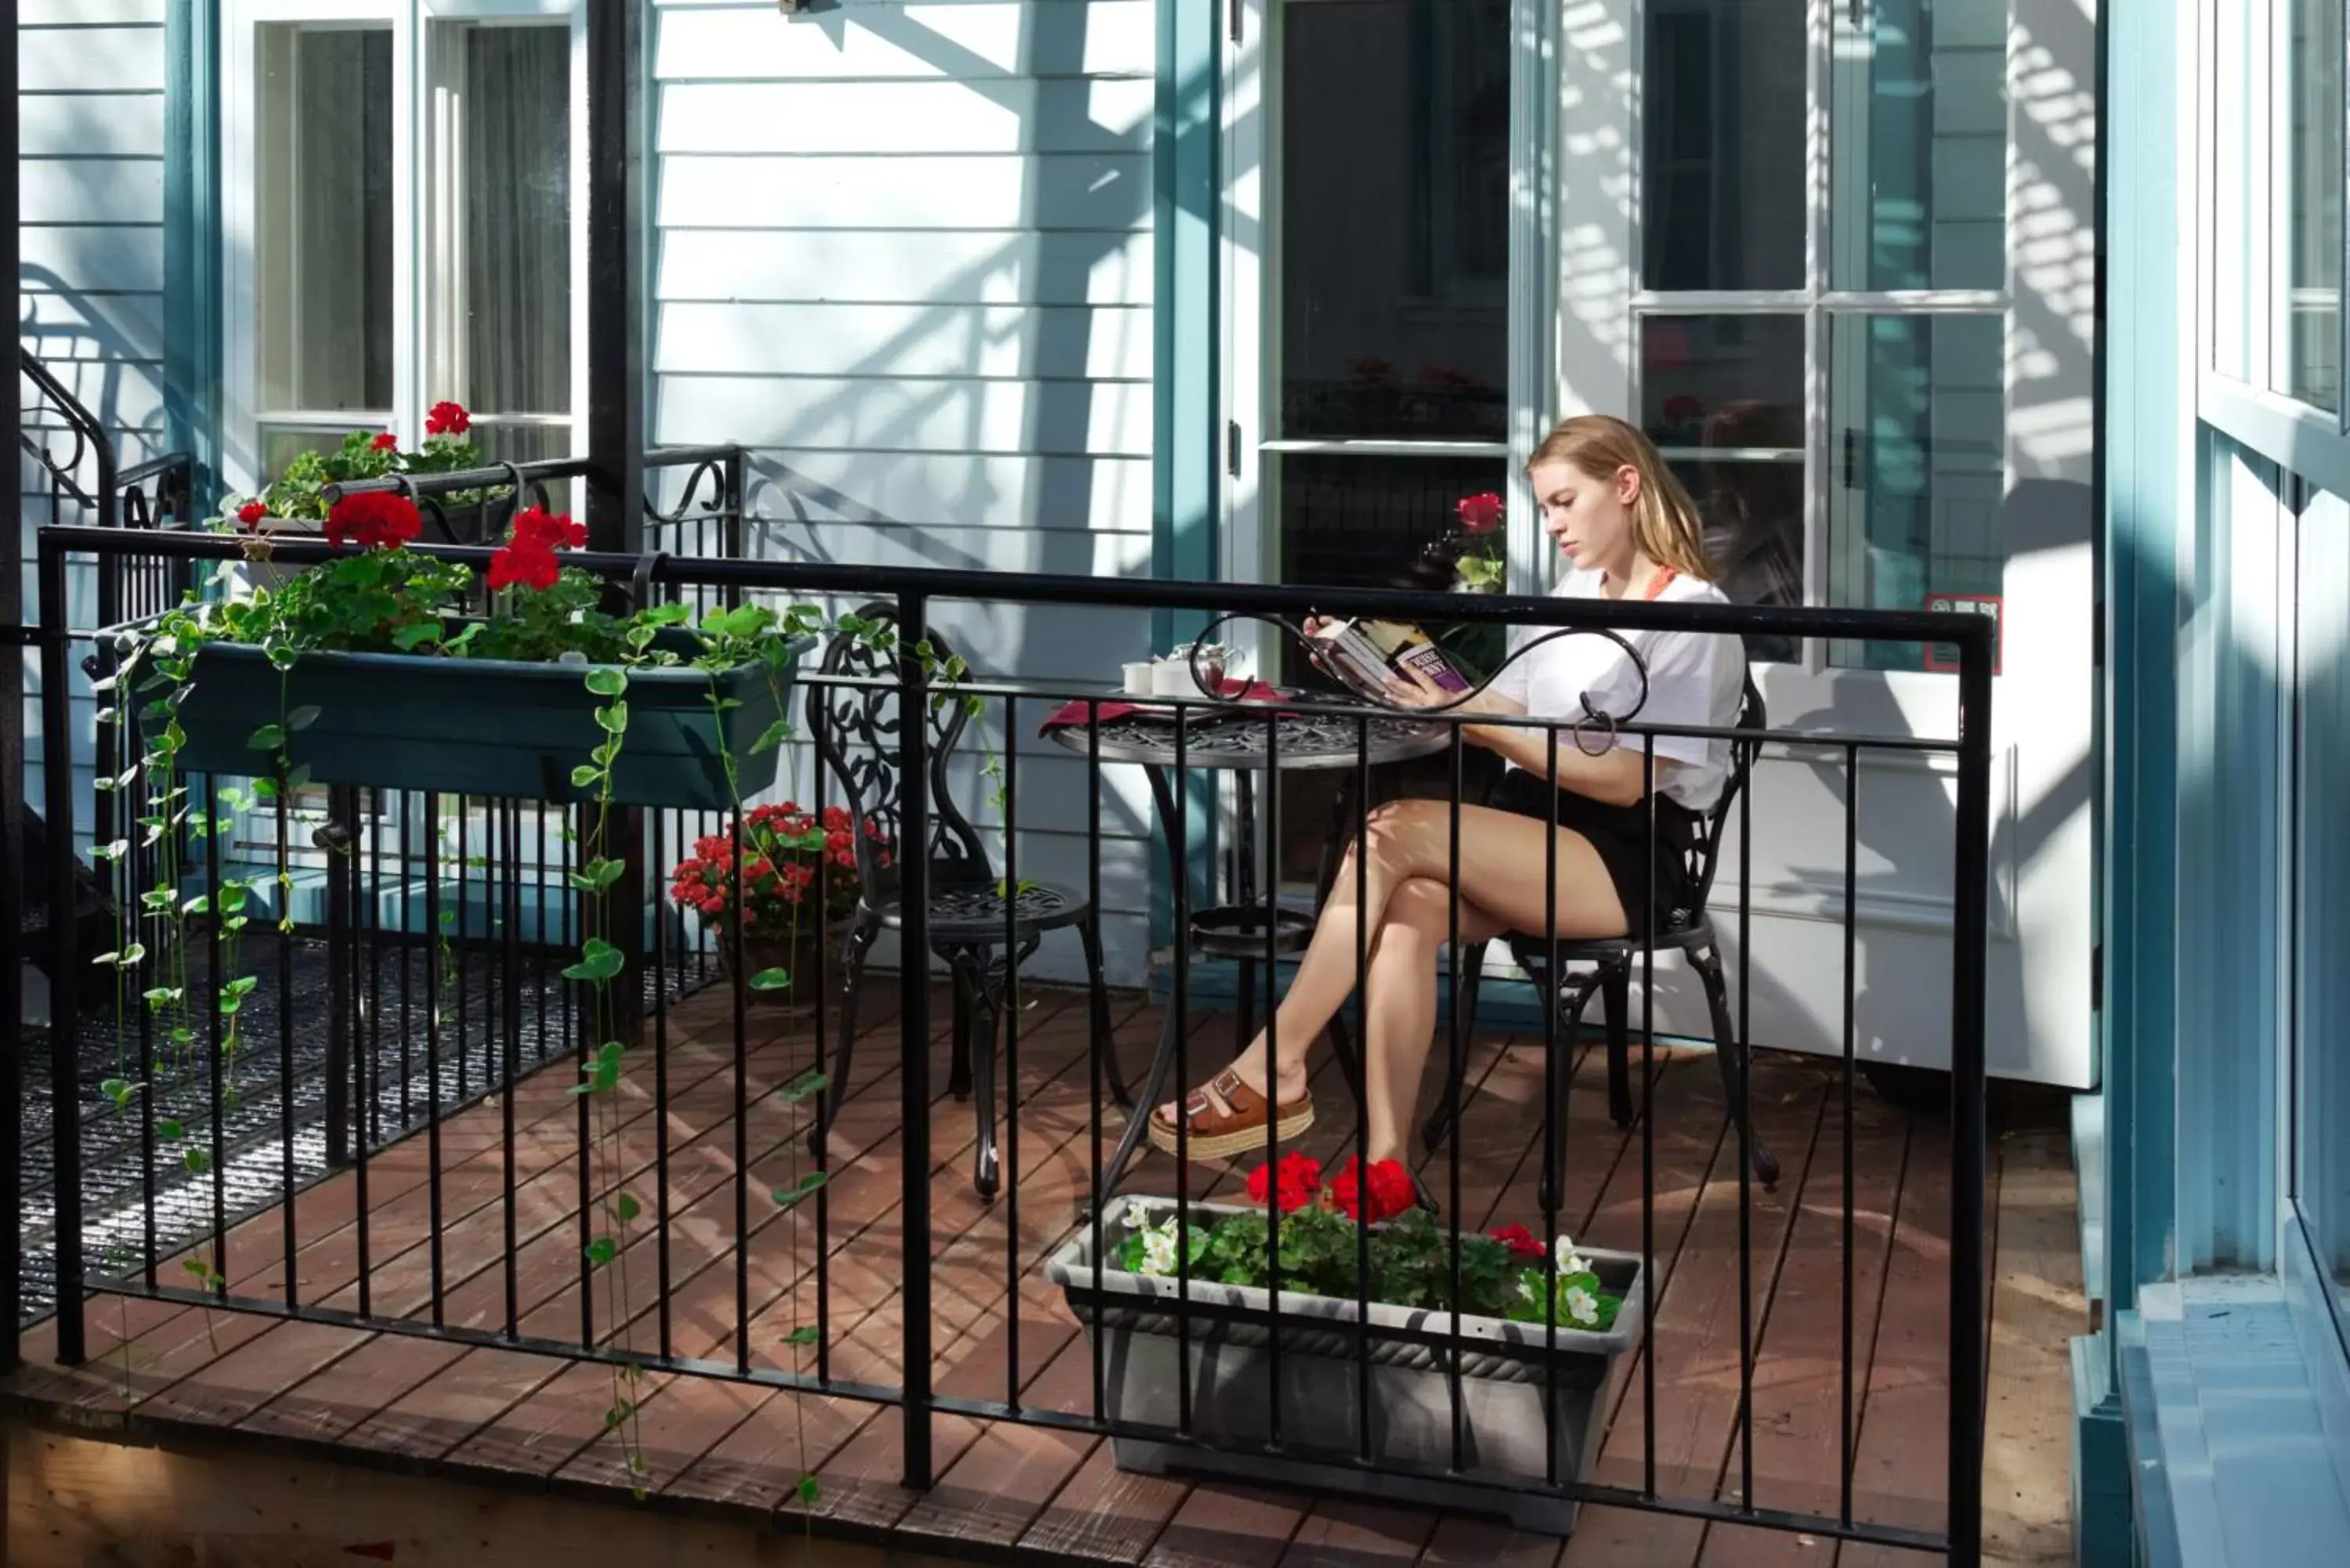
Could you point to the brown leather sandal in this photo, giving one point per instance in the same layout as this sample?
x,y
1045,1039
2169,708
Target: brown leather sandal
x,y
1227,1117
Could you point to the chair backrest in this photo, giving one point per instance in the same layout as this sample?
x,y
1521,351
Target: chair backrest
x,y
1705,853
855,728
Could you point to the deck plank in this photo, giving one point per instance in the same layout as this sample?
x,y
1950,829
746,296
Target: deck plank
x,y
1003,1488
1693,1329
1799,1389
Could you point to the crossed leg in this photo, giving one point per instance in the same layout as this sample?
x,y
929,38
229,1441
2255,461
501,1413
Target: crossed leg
x,y
1395,893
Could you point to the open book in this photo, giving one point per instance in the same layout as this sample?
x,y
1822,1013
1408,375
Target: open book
x,y
1371,655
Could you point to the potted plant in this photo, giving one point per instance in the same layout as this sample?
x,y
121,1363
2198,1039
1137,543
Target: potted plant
x,y
377,666
1538,1328
786,854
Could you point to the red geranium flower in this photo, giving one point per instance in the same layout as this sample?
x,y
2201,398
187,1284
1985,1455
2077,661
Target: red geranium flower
x,y
1480,513
250,513
1390,1192
1520,1241
447,419
387,441
1293,1183
375,520
524,563
551,531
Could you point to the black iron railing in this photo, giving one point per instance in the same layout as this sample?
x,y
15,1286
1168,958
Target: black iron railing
x,y
390,989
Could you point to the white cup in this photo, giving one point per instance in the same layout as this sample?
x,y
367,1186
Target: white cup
x,y
1170,679
1138,677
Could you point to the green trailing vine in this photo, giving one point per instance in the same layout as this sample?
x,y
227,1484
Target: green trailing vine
x,y
382,597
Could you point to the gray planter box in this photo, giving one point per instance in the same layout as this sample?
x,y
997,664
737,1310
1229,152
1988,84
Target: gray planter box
x,y
1506,1369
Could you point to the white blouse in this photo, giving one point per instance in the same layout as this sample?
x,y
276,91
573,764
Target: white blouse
x,y
1694,679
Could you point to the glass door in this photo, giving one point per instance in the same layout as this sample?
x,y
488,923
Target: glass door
x,y
1835,258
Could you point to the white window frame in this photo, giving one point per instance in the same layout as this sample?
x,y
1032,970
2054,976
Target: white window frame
x,y
2254,181
413,90
410,23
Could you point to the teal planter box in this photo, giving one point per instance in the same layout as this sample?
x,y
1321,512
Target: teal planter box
x,y
484,727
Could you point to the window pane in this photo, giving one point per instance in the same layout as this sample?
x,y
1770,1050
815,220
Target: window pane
x,y
2320,886
2311,233
515,170
1917,468
2239,125
1394,243
1918,145
324,249
1721,195
1723,397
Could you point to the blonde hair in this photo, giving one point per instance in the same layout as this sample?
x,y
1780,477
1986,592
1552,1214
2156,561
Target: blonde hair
x,y
1665,526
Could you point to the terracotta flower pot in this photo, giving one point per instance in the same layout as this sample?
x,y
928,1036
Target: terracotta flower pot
x,y
803,958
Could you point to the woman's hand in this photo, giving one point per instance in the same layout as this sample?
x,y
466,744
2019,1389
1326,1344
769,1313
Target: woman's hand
x,y
1413,688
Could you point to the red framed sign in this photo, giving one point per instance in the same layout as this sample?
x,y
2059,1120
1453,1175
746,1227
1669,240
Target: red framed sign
x,y
1944,656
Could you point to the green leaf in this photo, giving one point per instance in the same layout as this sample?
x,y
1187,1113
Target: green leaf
x,y
265,789
616,1415
299,776
808,1490
599,960
605,680
267,738
114,851
169,1130
162,996
598,875
803,1336
196,1159
602,1251
806,1086
773,735
242,985
585,777
473,630
771,980
116,1089
626,1206
615,718
302,717
799,1191
233,897
409,639
282,658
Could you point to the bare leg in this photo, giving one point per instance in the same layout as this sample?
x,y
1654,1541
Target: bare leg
x,y
1500,873
1402,993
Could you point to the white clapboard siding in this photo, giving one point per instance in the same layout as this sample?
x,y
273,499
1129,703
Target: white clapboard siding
x,y
1007,194
922,341
958,41
1018,492
879,119
904,257
90,119
879,266
790,410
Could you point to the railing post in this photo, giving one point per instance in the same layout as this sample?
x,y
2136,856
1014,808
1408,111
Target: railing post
x,y
913,852
1968,1154
65,1025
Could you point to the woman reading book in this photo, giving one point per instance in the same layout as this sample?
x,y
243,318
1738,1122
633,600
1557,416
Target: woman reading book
x,y
1628,530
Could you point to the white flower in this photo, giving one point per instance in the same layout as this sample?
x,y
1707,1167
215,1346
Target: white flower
x,y
1582,1306
1159,1251
1531,1291
1570,1262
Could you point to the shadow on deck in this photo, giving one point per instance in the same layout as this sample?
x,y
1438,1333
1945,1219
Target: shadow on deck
x,y
220,1387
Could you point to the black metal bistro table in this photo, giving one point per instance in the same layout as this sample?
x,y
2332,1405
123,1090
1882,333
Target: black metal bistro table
x,y
1243,739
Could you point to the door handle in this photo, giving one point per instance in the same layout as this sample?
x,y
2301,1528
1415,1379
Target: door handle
x,y
1851,458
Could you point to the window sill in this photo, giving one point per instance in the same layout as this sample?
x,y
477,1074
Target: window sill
x,y
2229,1458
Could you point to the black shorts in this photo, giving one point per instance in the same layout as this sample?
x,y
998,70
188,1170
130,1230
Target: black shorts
x,y
1621,836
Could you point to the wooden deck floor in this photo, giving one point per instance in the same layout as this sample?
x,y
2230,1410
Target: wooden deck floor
x,y
188,1375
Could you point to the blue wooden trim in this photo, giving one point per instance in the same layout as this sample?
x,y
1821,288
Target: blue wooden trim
x,y
1186,366
191,238
2147,433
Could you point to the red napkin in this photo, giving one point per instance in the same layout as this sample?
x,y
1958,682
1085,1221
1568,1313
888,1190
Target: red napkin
x,y
1076,714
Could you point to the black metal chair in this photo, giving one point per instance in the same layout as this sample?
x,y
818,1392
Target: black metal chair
x,y
1604,965
971,914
